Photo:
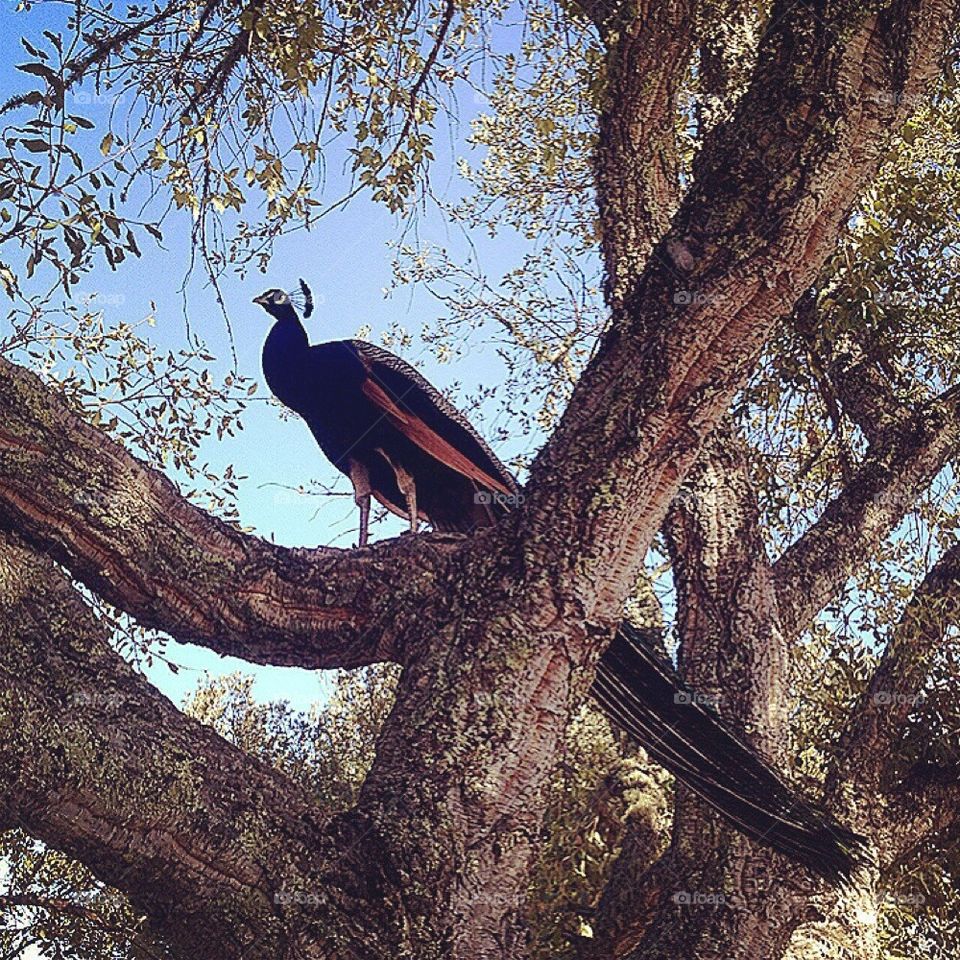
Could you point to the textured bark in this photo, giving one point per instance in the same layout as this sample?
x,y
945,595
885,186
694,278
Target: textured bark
x,y
735,899
734,651
733,647
128,534
851,377
649,51
497,634
227,857
908,809
772,191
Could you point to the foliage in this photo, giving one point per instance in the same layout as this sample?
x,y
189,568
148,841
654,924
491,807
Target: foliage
x,y
328,750
51,903
535,130
598,783
223,106
160,404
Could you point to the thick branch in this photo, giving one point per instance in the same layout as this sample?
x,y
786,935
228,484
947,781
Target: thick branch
x,y
536,594
650,46
849,375
638,183
731,646
732,652
95,762
127,533
506,648
772,193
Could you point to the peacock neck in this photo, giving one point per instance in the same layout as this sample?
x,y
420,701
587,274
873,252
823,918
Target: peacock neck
x,y
284,353
287,334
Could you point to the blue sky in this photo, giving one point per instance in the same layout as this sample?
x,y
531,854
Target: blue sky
x,y
346,260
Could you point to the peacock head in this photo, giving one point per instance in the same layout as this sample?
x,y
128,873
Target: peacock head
x,y
279,303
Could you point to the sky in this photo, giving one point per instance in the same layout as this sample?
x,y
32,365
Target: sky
x,y
347,262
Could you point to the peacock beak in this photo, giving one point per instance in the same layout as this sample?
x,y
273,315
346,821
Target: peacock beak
x,y
261,300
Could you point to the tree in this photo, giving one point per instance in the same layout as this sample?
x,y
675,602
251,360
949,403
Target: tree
x,y
771,377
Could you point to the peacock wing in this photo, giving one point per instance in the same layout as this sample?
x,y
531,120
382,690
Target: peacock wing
x,y
423,415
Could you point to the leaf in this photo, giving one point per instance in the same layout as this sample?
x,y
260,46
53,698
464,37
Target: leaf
x,y
40,70
106,143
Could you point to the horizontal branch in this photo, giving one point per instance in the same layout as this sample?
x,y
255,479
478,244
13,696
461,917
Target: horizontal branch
x,y
126,532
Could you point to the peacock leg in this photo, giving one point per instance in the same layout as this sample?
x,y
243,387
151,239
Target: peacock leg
x,y
360,478
407,486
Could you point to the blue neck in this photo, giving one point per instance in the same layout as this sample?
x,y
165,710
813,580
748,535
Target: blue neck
x,y
287,338
287,333
285,352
